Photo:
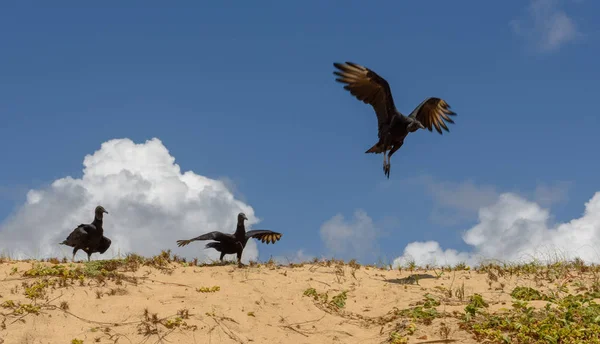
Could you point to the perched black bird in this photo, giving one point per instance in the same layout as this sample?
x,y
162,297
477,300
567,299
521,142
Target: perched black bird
x,y
393,126
89,237
236,242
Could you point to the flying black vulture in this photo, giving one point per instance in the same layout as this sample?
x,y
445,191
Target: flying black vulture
x,y
393,126
89,237
236,242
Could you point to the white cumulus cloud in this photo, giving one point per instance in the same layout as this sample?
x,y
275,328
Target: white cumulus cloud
x,y
460,202
548,27
456,202
151,204
356,236
514,229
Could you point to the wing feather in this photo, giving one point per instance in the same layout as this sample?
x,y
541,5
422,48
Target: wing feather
x,y
79,235
434,112
265,236
368,87
215,235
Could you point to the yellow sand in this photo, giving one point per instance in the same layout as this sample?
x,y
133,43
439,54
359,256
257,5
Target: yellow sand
x,y
255,304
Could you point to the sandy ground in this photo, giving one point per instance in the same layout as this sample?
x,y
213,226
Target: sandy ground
x,y
255,304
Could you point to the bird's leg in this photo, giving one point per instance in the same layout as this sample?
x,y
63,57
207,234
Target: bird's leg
x,y
239,259
389,156
74,251
386,164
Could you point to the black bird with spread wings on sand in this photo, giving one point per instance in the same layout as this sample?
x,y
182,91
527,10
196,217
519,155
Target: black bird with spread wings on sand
x,y
393,127
236,242
89,237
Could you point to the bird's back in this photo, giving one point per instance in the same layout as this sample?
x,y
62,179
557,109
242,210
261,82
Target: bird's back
x,y
77,237
399,128
84,235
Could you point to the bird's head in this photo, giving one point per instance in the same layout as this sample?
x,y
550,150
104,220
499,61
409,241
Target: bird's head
x,y
242,217
415,125
100,211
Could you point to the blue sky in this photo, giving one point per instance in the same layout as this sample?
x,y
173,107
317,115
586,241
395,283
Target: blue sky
x,y
245,91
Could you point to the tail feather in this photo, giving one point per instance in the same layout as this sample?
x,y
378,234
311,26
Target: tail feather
x,y
377,148
213,244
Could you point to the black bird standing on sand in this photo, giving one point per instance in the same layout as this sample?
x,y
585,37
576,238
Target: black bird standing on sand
x,y
236,242
393,126
89,237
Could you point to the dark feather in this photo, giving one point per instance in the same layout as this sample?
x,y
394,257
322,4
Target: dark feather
x,y
104,245
215,235
370,88
236,242
432,112
393,127
89,237
265,236
214,244
79,235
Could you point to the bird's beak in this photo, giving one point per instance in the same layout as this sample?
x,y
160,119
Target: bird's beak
x,y
105,211
245,218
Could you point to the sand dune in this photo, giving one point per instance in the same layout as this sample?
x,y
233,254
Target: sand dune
x,y
161,301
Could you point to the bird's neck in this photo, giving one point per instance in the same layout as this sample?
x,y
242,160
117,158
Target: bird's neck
x,y
240,230
98,223
399,119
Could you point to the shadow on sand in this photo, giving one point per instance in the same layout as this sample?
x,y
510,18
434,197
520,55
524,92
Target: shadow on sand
x,y
412,279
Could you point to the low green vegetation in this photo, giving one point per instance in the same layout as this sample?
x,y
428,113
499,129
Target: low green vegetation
x,y
570,312
564,317
571,319
424,313
208,289
337,302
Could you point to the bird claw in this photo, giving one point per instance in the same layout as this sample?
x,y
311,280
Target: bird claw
x,y
386,170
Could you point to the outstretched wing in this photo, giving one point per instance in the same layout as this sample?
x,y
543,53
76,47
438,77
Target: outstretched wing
x,y
368,87
217,236
433,112
264,235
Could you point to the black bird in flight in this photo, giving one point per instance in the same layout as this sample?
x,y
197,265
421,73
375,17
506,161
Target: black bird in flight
x,y
89,237
236,242
370,88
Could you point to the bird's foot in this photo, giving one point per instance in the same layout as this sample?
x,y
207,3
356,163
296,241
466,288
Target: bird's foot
x,y
386,169
240,265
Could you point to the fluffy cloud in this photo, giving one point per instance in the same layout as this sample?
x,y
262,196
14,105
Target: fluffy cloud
x,y
458,202
515,229
151,204
356,236
547,195
547,26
